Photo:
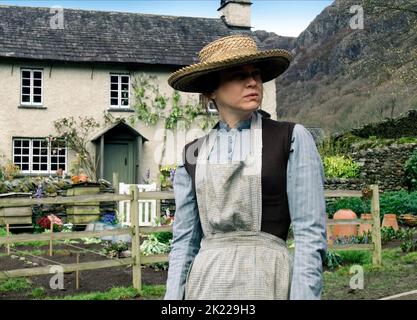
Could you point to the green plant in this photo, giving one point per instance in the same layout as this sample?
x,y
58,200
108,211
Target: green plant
x,y
408,244
340,167
14,284
356,257
114,250
166,175
153,246
38,293
333,260
357,205
77,136
388,234
163,236
410,170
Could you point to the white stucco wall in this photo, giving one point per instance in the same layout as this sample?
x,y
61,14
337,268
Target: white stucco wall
x,y
79,90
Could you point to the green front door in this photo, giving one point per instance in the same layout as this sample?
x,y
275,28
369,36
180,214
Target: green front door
x,y
118,157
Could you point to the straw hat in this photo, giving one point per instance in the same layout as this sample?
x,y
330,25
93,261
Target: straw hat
x,y
225,53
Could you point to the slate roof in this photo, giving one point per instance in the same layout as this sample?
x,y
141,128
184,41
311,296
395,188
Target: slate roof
x,y
109,37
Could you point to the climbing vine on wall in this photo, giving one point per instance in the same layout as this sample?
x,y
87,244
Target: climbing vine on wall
x,y
151,106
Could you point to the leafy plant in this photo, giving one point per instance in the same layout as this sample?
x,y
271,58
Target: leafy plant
x,y
410,170
340,167
333,260
152,245
163,236
166,176
388,234
409,244
77,136
115,249
357,205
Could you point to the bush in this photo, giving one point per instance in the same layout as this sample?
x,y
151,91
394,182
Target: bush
x,y
356,257
410,169
357,205
163,236
340,167
333,260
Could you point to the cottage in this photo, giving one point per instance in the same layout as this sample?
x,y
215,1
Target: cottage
x,y
87,67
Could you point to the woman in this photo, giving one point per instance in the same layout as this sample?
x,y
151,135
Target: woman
x,y
238,188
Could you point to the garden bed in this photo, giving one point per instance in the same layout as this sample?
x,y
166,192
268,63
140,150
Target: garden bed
x,y
90,280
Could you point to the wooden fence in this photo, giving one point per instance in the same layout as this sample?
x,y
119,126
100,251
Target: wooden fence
x,y
375,246
134,230
137,231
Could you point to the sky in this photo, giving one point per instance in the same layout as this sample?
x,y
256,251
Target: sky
x,y
284,17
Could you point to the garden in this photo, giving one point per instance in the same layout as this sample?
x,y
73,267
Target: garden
x,y
348,274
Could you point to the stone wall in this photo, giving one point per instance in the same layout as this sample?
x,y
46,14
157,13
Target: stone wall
x,y
382,166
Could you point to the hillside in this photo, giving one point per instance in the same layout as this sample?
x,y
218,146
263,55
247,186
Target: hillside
x,y
343,78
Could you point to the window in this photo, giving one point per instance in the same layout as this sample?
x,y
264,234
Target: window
x,y
31,92
39,155
119,90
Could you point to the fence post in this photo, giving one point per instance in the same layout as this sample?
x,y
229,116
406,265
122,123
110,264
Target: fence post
x,y
8,235
116,182
134,222
376,227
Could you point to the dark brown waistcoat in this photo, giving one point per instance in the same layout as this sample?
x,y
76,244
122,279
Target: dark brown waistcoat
x,y
276,140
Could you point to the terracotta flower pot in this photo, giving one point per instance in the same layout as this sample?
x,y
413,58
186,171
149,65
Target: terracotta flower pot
x,y
365,227
390,220
82,177
74,179
342,230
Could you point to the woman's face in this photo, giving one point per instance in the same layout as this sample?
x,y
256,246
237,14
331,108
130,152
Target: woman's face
x,y
240,89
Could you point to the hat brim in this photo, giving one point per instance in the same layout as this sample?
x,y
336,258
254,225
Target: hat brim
x,y
197,77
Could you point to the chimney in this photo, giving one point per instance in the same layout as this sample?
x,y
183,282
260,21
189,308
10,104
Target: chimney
x,y
236,13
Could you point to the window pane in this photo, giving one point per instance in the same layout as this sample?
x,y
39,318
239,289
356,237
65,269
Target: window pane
x,y
114,86
114,102
37,83
36,159
37,75
24,166
17,143
25,82
36,143
37,99
44,159
26,143
54,159
62,166
35,151
17,159
25,90
125,79
125,102
44,167
35,167
37,90
125,86
61,152
25,74
17,151
114,79
54,167
114,94
25,151
25,98
25,159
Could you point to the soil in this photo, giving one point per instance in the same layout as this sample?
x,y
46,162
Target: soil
x,y
90,280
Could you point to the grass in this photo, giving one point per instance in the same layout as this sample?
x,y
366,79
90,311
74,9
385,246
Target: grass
x,y
395,275
116,293
38,293
14,284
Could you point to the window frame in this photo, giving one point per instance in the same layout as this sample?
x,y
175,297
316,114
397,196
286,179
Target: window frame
x,y
31,155
119,91
31,87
